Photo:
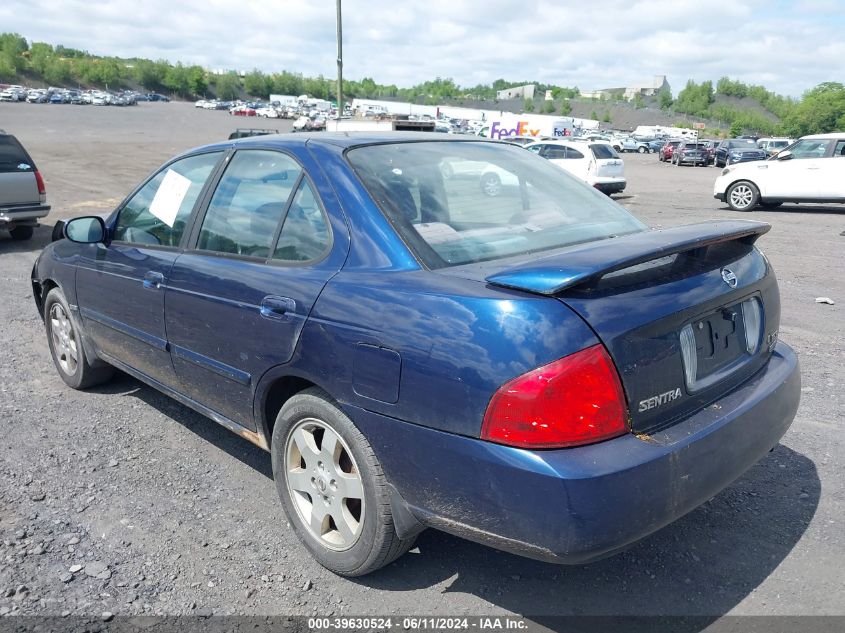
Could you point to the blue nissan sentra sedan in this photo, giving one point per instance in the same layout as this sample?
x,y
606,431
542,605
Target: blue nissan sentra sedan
x,y
493,349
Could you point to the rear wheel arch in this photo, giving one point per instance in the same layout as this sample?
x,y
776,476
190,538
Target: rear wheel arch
x,y
276,394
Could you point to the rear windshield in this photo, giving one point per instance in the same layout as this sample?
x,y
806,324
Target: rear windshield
x,y
463,202
600,151
695,146
12,156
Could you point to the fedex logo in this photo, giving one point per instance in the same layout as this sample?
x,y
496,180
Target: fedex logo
x,y
521,129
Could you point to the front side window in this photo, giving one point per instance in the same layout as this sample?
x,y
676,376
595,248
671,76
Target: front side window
x,y
248,203
511,203
839,150
809,148
158,213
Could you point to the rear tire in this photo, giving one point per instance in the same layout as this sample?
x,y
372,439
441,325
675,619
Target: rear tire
x,y
67,347
742,196
21,233
349,535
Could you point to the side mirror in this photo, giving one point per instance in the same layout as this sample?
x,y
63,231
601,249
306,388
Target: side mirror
x,y
86,230
784,155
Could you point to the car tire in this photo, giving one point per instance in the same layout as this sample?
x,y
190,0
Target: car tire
x,y
67,346
641,150
363,537
742,196
22,233
491,185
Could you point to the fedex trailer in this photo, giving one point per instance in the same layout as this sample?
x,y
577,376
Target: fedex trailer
x,y
538,125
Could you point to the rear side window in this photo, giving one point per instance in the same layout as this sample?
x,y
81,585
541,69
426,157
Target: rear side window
x,y
13,157
305,233
248,203
840,149
158,213
554,151
601,151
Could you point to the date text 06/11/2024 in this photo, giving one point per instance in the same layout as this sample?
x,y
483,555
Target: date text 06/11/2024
x,y
418,623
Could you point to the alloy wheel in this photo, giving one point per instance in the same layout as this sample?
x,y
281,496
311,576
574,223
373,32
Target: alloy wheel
x,y
324,484
63,339
741,196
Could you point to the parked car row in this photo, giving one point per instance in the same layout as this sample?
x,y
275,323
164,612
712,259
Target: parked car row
x,y
705,152
270,110
77,96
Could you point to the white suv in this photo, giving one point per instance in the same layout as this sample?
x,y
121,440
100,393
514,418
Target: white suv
x,y
810,170
595,162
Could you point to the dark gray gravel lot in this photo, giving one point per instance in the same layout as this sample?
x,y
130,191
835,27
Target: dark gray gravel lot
x,y
120,500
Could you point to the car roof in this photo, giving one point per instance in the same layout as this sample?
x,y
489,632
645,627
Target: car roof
x,y
567,141
830,135
344,140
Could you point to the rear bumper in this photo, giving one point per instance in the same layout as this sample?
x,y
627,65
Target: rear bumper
x,y
577,505
609,186
9,215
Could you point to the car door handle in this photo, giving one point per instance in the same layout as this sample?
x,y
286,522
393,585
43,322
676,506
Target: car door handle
x,y
813,168
277,307
153,280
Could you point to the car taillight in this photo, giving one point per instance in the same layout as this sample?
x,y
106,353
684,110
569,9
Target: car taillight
x,y
573,401
40,182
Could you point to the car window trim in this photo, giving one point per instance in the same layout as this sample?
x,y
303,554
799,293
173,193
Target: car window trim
x,y
202,210
205,200
329,242
112,223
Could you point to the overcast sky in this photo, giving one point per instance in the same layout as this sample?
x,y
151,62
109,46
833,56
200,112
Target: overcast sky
x,y
787,46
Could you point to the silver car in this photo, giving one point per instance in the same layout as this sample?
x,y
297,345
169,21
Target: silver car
x,y
23,198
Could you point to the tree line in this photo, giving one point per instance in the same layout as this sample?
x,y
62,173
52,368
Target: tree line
x,y
821,109
60,66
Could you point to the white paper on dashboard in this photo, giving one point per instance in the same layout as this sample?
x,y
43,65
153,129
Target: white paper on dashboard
x,y
437,232
169,197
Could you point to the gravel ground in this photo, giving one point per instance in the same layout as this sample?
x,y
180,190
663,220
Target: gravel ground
x,y
120,500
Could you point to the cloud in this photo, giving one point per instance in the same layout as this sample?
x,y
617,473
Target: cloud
x,y
789,47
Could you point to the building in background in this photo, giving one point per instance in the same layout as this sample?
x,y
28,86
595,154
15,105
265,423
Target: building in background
x,y
646,89
517,92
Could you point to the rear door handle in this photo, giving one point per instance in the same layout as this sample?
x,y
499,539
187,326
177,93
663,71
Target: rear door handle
x,y
153,280
277,307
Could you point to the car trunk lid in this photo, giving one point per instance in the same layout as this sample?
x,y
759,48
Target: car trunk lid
x,y
638,292
607,163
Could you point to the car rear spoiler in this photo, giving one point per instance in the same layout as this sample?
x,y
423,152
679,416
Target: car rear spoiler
x,y
586,263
